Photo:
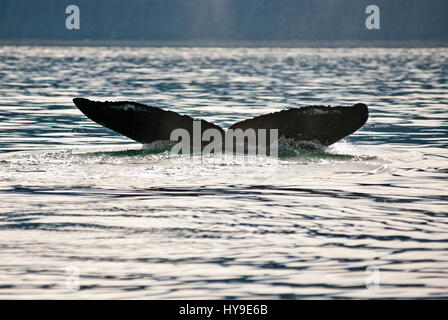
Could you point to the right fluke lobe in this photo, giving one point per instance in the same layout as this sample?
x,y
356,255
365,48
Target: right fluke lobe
x,y
321,124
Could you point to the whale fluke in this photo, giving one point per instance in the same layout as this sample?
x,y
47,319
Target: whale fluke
x,y
321,124
137,121
145,124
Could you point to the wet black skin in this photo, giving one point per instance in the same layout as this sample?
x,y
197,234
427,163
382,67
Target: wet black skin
x,y
324,125
145,124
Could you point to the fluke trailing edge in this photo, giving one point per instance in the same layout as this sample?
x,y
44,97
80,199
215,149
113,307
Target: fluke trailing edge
x,y
146,124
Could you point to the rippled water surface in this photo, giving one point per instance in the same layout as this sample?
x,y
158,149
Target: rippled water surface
x,y
75,196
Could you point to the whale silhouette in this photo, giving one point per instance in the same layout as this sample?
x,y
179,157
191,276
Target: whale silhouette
x,y
323,125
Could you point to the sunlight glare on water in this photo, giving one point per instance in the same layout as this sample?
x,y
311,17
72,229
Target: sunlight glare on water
x,y
140,224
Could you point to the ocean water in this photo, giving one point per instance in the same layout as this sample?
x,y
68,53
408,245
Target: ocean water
x,y
86,213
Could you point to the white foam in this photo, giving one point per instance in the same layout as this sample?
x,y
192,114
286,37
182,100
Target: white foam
x,y
158,144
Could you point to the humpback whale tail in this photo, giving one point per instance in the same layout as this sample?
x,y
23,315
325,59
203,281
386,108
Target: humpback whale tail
x,y
145,124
